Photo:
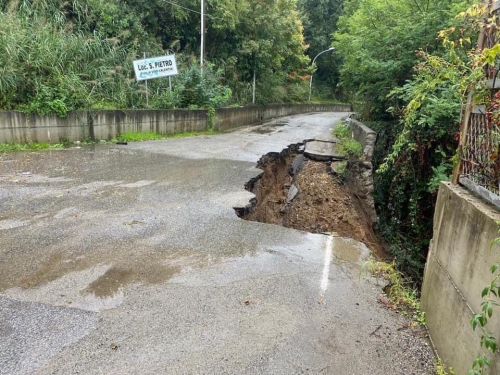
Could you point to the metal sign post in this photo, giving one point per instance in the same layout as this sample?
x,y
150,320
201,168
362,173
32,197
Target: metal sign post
x,y
146,82
155,67
169,52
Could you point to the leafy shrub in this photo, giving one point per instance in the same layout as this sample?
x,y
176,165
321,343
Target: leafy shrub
x,y
197,88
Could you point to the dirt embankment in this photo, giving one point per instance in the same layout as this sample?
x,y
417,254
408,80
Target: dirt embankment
x,y
304,194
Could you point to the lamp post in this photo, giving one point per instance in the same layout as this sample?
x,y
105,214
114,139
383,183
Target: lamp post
x,y
311,79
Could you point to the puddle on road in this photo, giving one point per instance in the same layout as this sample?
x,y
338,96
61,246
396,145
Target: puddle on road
x,y
116,278
145,269
269,128
99,281
346,250
91,302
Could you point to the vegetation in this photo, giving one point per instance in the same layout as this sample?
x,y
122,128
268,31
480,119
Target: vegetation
x,y
490,295
408,66
149,136
320,21
402,294
347,146
4,147
58,56
441,369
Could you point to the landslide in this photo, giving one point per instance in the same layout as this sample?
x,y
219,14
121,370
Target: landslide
x,y
323,202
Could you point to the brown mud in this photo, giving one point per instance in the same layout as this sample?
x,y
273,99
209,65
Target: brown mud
x,y
322,204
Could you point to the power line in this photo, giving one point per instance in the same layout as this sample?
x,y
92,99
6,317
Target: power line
x,y
188,9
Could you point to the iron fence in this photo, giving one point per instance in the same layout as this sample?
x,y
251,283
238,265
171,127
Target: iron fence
x,y
480,152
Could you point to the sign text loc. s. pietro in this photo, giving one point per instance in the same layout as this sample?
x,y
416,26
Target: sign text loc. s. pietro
x,y
155,67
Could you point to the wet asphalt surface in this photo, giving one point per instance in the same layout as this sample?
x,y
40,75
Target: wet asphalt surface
x,y
131,260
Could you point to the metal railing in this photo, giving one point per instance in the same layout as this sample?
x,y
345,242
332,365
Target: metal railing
x,y
479,154
479,143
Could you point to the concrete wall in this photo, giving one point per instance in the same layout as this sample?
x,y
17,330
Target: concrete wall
x,y
456,272
364,135
360,178
109,124
229,118
17,127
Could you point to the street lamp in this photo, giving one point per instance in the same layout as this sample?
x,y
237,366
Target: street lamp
x,y
311,79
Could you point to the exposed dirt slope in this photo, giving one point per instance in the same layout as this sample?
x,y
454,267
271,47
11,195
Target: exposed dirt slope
x,y
323,203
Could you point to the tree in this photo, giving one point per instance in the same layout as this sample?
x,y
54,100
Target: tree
x,y
320,22
378,41
266,38
422,142
57,56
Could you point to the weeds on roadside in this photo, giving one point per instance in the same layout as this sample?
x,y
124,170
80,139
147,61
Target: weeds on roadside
x,y
348,147
442,370
400,291
125,137
342,131
149,136
4,147
490,305
137,137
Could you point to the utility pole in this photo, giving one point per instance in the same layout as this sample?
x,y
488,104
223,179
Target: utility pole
x,y
202,32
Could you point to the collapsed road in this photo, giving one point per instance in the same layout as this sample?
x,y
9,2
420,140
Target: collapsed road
x,y
131,260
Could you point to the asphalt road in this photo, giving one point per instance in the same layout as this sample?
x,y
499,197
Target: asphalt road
x,y
131,260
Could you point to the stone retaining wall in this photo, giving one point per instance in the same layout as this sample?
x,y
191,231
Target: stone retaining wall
x,y
360,178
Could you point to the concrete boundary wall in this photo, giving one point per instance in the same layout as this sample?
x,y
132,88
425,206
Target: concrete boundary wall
x,y
17,127
456,272
229,118
364,135
360,178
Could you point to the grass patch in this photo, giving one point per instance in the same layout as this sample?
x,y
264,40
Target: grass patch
x,y
150,136
342,131
138,137
347,146
350,148
125,137
6,147
399,290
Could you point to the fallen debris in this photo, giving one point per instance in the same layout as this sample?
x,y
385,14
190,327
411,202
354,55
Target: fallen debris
x,y
305,194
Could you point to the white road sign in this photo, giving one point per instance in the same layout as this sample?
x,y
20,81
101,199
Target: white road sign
x,y
155,67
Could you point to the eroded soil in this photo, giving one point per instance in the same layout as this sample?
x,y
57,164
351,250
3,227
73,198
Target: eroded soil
x,y
323,203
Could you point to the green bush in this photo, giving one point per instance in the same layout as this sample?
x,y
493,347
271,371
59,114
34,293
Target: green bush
x,y
197,88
